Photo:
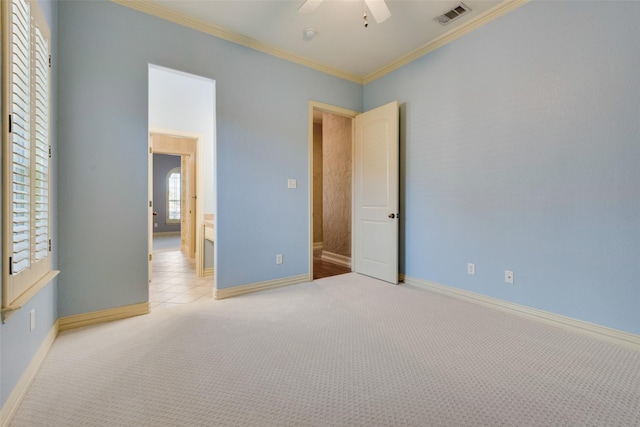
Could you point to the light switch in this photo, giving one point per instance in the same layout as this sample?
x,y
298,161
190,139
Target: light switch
x,y
292,183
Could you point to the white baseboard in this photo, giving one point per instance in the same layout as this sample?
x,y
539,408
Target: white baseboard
x,y
166,233
318,246
336,258
20,390
260,286
101,316
601,332
208,272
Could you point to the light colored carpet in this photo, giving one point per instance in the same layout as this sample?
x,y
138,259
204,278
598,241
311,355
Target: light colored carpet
x,y
345,350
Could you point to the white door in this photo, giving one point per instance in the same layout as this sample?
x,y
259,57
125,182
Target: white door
x,y
376,186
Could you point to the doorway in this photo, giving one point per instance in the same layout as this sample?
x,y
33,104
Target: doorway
x,y
175,262
182,106
374,197
178,188
331,154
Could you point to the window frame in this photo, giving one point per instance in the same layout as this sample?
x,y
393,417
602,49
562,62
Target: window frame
x,y
20,287
169,220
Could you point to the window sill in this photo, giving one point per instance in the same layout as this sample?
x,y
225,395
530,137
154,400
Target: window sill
x,y
16,305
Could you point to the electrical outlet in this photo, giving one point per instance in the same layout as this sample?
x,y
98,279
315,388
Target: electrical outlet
x,y
279,259
32,319
471,269
508,276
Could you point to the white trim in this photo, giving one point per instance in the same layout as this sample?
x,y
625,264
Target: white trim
x,y
260,286
166,233
19,302
208,272
336,258
222,33
318,246
225,34
101,316
574,325
14,400
457,32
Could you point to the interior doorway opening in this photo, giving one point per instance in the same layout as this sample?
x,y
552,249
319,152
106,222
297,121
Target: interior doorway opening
x,y
374,189
331,164
182,124
175,204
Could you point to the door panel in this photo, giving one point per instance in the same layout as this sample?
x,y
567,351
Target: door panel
x,y
150,212
191,197
377,193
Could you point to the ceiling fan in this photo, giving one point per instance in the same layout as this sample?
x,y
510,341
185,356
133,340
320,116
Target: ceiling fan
x,y
378,9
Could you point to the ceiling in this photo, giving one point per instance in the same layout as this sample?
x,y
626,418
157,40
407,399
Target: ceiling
x,y
342,46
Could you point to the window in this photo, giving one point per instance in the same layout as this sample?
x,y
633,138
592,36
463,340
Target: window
x,y
173,196
26,153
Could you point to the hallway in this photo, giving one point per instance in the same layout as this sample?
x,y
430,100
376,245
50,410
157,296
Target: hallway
x,y
174,280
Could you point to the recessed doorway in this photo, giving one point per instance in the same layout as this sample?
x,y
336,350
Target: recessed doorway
x,y
182,125
332,191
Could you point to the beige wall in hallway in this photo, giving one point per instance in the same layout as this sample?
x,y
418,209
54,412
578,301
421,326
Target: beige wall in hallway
x,y
336,203
317,182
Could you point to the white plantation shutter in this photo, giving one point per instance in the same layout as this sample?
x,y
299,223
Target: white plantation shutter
x,y
21,133
26,150
40,201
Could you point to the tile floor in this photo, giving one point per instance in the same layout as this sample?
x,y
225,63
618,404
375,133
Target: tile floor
x,y
174,281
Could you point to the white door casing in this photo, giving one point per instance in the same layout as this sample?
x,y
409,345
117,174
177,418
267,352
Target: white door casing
x,y
376,193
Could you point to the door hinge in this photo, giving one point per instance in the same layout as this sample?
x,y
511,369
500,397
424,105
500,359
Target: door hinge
x,y
150,150
150,257
10,123
49,151
150,204
10,266
49,61
49,245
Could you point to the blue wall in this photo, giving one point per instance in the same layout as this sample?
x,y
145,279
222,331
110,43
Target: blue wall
x,y
521,151
17,344
162,164
262,108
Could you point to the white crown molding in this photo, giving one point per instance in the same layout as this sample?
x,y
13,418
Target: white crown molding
x,y
472,24
20,390
614,336
223,33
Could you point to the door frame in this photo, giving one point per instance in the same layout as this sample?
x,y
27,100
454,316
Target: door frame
x,y
199,215
338,111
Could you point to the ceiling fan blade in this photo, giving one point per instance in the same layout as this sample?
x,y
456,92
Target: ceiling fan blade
x,y
378,9
309,6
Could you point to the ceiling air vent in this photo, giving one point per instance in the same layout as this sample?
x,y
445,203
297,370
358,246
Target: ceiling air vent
x,y
454,13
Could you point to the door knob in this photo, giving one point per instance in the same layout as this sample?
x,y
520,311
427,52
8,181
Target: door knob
x,y
155,213
392,215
